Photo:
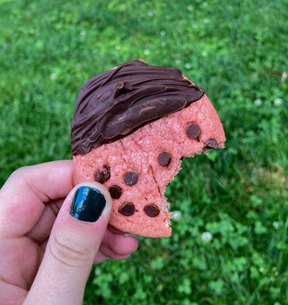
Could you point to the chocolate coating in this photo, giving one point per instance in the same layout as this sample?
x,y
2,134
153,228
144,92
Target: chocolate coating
x,y
193,131
115,191
131,178
119,101
102,175
211,143
164,159
151,210
127,209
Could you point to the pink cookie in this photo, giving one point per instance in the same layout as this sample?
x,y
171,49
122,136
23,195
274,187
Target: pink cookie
x,y
134,138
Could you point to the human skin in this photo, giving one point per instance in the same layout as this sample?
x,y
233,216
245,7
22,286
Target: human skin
x,y
46,254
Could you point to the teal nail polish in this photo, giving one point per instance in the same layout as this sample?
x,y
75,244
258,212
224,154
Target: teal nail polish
x,y
88,204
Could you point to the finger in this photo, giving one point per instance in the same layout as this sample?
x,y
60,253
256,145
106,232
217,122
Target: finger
x,y
7,290
42,229
101,257
72,246
114,245
43,245
27,189
119,243
111,254
114,230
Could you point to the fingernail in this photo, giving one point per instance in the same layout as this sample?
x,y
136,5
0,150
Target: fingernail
x,y
88,204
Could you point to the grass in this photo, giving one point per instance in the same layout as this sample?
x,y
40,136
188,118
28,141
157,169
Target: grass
x,y
237,51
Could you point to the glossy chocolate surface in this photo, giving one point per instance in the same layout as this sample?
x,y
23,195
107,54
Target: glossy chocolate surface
x,y
119,101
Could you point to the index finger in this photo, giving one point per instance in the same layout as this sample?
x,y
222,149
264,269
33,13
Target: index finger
x,y
23,196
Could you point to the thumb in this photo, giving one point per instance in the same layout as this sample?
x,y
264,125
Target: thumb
x,y
73,243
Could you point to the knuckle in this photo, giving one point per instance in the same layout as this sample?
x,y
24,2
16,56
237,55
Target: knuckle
x,y
19,173
70,250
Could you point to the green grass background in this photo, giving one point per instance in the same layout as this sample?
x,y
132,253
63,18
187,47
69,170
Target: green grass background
x,y
236,50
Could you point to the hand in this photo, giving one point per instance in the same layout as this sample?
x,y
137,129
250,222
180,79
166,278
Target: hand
x,y
47,249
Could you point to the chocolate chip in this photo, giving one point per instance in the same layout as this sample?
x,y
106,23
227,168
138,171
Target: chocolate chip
x,y
115,191
103,175
131,178
193,131
211,144
164,159
127,209
151,210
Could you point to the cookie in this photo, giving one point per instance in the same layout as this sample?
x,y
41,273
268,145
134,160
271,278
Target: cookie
x,y
132,127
